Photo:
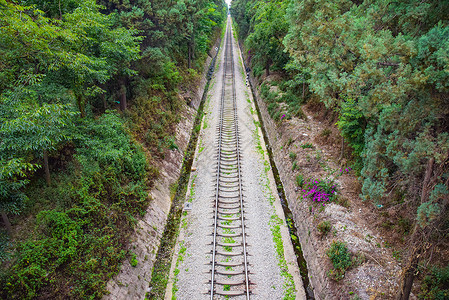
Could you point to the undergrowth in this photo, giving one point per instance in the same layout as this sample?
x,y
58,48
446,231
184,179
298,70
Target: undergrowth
x,y
435,285
79,237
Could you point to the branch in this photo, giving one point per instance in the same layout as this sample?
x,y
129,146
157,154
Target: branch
x,y
388,64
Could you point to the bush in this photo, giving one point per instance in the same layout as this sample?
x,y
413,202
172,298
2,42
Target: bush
x,y
343,202
436,284
292,155
326,132
324,227
133,260
340,258
299,180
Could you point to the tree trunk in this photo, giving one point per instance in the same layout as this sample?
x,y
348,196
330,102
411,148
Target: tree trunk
x,y
123,103
80,103
267,68
46,168
409,276
425,186
410,271
303,90
6,222
105,104
189,58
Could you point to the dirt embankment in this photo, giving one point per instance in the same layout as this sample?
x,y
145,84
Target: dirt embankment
x,y
309,147
133,281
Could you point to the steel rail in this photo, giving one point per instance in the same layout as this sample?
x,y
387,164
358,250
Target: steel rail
x,y
228,151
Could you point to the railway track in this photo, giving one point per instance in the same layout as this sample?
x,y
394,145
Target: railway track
x,y
229,265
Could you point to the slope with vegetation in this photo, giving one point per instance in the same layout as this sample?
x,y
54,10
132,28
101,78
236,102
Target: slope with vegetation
x,y
89,100
380,70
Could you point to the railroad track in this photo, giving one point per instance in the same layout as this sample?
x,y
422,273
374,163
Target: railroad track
x,y
229,265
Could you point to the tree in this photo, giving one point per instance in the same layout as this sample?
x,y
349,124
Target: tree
x,y
13,173
31,127
269,28
99,50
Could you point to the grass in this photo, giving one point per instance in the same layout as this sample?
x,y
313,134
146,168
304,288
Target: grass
x,y
307,146
275,223
181,254
295,165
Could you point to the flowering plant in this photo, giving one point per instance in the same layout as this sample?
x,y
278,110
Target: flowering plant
x,y
322,191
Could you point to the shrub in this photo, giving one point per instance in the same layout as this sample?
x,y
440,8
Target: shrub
x,y
133,260
324,227
340,258
296,110
326,132
343,202
299,180
292,155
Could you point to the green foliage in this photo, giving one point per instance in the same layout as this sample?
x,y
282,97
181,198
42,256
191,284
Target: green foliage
x,y
72,55
352,124
300,180
295,165
32,127
351,65
435,285
133,260
82,240
341,260
427,212
12,182
292,155
268,28
307,146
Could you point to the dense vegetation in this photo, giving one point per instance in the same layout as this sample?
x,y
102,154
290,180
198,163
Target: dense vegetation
x,y
89,100
383,68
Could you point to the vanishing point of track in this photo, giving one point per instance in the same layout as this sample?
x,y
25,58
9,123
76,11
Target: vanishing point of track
x,y
229,271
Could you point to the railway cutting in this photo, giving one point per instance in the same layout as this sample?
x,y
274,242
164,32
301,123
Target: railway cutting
x,y
233,241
